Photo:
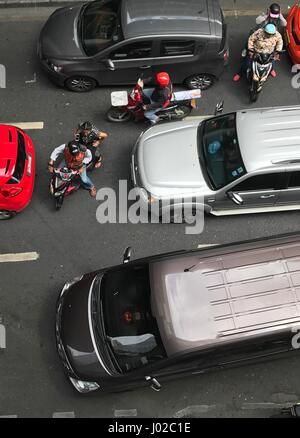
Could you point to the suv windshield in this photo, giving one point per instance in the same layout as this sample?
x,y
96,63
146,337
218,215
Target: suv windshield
x,y
99,25
125,318
218,145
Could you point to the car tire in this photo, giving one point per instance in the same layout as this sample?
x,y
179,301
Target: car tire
x,y
80,84
5,215
200,80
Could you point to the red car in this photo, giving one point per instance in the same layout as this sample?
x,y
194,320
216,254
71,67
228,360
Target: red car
x,y
293,33
17,170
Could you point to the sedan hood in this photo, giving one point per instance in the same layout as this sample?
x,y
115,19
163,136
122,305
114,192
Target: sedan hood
x,y
168,160
59,36
76,332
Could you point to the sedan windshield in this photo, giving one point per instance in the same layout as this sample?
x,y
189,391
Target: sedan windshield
x,y
99,26
218,145
128,326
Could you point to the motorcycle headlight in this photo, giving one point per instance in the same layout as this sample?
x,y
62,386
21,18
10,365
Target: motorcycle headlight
x,y
83,386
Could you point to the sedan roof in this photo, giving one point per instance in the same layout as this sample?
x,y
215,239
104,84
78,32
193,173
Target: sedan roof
x,y
163,17
268,135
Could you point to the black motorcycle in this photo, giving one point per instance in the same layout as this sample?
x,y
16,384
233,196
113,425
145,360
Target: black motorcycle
x,y
258,72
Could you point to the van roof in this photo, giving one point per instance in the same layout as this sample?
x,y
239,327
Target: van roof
x,y
165,17
268,135
226,297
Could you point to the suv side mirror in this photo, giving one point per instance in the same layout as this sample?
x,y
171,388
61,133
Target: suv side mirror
x,y
154,384
127,255
235,197
219,108
110,65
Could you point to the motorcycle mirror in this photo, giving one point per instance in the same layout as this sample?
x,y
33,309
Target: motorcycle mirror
x,y
110,64
127,255
219,108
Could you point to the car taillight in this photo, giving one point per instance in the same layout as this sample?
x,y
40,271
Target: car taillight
x,y
10,192
128,317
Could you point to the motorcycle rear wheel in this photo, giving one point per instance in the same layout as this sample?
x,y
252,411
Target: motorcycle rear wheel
x,y
115,114
181,112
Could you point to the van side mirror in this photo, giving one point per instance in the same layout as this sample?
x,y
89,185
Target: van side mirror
x,y
219,108
110,65
154,384
127,254
235,197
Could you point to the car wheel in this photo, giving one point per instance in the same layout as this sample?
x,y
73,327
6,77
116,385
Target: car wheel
x,y
80,84
201,80
4,215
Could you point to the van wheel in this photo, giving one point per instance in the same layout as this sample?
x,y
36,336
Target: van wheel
x,y
4,215
80,84
200,80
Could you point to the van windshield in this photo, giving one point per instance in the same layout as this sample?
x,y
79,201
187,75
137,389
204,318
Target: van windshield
x,y
218,145
99,26
125,315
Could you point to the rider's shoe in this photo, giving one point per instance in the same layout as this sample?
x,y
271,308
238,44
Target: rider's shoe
x,y
236,77
273,73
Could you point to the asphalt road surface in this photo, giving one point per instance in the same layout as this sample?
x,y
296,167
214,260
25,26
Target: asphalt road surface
x,y
71,242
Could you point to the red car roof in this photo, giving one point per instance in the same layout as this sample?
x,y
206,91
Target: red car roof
x,y
8,152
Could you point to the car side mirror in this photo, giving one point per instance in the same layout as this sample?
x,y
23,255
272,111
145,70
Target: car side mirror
x,y
235,197
127,255
154,384
219,108
110,65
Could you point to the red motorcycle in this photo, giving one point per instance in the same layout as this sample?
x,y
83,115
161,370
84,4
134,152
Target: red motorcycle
x,y
127,106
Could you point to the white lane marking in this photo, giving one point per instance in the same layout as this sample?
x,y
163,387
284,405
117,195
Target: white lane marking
x,y
194,411
19,257
26,125
8,416
207,245
125,412
32,81
198,117
268,405
63,415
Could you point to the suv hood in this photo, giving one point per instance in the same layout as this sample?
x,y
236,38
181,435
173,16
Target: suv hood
x,y
59,36
168,160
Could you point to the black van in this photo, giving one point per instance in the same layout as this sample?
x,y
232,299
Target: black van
x,y
110,42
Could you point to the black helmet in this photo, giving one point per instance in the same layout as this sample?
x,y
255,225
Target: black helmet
x,y
85,125
74,147
274,10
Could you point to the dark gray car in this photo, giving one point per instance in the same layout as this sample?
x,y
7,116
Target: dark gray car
x,y
110,42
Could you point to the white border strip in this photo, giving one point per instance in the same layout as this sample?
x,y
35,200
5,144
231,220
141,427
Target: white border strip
x,y
26,125
19,257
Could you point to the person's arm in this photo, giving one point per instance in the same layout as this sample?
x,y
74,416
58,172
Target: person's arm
x,y
251,41
282,20
261,18
279,44
57,151
88,157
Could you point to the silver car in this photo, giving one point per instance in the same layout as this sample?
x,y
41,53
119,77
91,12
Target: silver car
x,y
242,162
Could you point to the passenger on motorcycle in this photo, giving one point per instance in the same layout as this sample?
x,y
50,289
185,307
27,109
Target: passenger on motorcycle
x,y
266,40
91,137
159,97
76,157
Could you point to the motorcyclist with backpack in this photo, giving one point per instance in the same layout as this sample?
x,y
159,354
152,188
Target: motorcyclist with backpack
x,y
76,157
90,136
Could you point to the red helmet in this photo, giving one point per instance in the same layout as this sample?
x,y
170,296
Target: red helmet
x,y
162,78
